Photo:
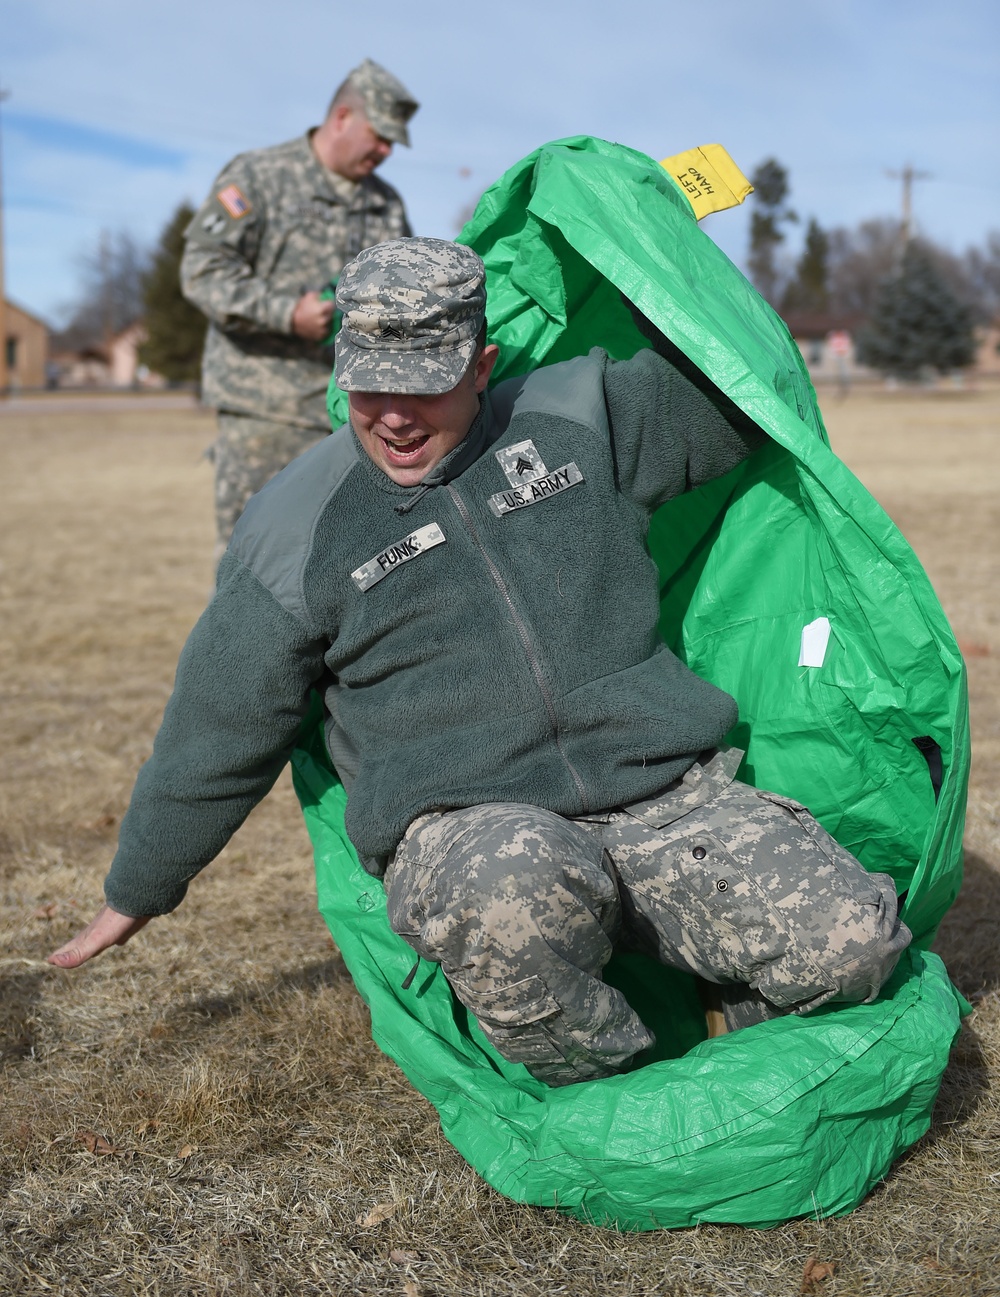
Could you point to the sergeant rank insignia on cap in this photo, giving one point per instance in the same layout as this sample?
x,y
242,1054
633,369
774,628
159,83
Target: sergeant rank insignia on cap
x,y
233,201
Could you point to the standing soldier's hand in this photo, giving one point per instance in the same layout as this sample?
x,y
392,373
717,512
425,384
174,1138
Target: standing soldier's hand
x,y
106,928
312,315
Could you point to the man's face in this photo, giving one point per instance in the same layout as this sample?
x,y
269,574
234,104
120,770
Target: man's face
x,y
358,149
405,436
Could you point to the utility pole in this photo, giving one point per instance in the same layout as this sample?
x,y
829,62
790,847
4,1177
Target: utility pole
x,y
107,291
4,376
907,175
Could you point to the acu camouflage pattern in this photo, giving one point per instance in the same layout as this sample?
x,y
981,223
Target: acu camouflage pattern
x,y
523,908
412,309
388,103
246,272
246,455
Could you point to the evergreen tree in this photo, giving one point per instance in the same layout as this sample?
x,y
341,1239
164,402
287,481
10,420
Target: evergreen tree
x,y
770,189
176,329
810,289
918,323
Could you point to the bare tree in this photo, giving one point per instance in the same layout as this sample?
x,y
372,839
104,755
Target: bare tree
x,y
110,294
982,269
859,259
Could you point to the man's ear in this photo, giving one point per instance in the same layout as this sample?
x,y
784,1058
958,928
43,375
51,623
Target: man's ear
x,y
488,357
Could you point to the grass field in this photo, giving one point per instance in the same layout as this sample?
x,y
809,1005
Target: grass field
x,y
202,1112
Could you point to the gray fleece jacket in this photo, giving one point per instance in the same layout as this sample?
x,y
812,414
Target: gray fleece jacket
x,y
487,636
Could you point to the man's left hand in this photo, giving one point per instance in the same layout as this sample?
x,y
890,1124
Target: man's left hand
x,y
107,928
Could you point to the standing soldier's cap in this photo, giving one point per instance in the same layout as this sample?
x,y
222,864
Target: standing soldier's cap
x,y
388,103
412,311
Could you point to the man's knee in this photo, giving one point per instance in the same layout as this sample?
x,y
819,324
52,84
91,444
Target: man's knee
x,y
749,888
842,936
502,883
854,956
247,453
520,909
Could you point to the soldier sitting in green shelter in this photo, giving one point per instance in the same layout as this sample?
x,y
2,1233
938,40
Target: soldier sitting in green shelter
x,y
462,573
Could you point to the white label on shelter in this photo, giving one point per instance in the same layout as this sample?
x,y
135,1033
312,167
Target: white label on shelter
x,y
815,638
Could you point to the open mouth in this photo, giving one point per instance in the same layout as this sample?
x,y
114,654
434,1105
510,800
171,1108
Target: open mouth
x,y
404,449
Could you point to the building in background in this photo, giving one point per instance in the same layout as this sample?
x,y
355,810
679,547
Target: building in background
x,y
26,348
988,350
111,364
826,340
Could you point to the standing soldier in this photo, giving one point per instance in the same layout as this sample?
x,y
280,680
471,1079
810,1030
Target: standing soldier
x,y
275,230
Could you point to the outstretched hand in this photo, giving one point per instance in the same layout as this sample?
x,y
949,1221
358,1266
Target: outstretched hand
x,y
106,928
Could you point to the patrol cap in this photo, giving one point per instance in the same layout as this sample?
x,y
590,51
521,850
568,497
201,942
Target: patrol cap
x,y
412,310
388,103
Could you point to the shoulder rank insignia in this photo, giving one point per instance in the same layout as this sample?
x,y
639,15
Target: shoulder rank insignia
x,y
521,463
233,200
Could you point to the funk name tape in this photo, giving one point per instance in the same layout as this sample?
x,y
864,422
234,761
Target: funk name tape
x,y
394,555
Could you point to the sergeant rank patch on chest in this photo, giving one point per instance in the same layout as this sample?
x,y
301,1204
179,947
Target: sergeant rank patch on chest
x,y
394,555
521,462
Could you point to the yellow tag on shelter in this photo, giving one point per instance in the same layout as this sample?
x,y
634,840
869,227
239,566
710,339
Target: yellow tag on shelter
x,y
709,177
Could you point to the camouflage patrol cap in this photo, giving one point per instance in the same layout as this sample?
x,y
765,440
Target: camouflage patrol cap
x,y
412,310
388,103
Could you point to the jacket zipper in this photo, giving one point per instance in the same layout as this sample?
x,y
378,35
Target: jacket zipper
x,y
522,630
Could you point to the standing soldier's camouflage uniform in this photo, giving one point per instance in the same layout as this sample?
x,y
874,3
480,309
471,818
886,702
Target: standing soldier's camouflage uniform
x,y
277,224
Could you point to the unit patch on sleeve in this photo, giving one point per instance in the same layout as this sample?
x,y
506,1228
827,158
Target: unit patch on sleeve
x,y
233,201
394,555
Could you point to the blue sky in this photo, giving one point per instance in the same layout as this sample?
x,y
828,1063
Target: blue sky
x,y
118,110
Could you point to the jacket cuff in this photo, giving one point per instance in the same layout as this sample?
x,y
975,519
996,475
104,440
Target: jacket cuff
x,y
143,899
279,313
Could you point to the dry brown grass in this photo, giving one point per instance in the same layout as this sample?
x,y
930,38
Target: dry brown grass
x,y
203,1112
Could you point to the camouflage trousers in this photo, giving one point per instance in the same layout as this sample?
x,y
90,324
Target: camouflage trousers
x,y
246,455
522,909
